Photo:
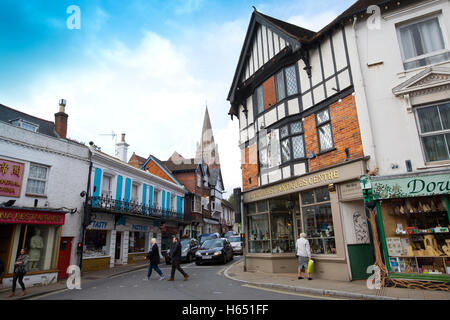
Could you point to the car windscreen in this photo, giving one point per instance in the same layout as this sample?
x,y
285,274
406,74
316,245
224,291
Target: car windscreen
x,y
234,239
209,244
204,238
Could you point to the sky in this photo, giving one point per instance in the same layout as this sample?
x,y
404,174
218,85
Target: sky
x,y
145,68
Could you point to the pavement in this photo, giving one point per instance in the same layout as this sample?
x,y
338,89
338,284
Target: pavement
x,y
348,289
279,282
62,284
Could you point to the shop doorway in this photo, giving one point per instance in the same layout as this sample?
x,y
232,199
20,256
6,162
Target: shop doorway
x,y
65,249
6,236
118,251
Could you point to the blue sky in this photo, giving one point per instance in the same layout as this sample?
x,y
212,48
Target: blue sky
x,y
145,68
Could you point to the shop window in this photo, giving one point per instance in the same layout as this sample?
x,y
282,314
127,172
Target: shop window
x,y
317,221
324,132
422,43
40,242
95,243
434,130
258,226
417,235
282,229
137,242
37,179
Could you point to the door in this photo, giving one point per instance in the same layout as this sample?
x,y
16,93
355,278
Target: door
x,y
65,249
6,238
117,256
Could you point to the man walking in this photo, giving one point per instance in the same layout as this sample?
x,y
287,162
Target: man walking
x,y
153,256
175,256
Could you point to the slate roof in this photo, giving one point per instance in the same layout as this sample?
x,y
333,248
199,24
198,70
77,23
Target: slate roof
x,y
46,127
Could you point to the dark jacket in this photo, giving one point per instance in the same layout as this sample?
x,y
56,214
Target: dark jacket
x,y
153,255
2,266
175,252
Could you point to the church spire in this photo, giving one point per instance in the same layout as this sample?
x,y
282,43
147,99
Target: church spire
x,y
207,148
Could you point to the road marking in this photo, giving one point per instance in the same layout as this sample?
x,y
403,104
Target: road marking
x,y
291,293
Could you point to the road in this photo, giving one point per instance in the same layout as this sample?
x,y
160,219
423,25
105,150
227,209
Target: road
x,y
206,282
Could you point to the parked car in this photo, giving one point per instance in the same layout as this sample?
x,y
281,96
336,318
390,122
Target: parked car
x,y
236,244
188,249
208,236
214,250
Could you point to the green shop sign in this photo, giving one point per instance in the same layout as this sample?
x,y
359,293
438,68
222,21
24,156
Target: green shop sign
x,y
407,187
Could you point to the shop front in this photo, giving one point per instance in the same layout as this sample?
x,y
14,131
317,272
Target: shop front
x,y
414,223
37,231
316,204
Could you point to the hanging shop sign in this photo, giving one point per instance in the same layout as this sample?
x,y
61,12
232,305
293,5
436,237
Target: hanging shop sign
x,y
31,217
417,186
11,175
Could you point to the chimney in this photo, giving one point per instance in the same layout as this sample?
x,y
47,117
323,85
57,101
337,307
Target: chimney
x,y
61,120
122,149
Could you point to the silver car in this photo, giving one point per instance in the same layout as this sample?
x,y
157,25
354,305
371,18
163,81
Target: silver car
x,y
236,244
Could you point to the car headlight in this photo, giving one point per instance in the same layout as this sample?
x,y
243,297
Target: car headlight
x,y
217,253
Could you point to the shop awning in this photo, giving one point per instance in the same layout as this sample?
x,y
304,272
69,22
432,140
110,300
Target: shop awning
x,y
210,221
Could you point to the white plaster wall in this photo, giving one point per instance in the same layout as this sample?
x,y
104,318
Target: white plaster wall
x,y
389,119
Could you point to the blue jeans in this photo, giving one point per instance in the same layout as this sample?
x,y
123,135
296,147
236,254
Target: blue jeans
x,y
153,266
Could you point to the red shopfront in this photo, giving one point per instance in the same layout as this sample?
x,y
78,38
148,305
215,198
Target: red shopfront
x,y
39,232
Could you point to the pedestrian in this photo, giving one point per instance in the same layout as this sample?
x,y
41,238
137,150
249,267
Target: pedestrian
x,y
20,269
175,256
303,252
153,256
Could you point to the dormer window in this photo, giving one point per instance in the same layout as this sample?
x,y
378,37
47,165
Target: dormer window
x,y
25,125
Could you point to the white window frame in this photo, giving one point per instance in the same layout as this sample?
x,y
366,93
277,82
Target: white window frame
x,y
156,195
107,193
434,133
37,179
404,24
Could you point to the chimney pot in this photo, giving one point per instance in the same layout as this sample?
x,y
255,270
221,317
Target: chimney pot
x,y
123,137
61,119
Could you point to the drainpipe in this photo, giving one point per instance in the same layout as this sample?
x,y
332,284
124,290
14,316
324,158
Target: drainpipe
x,y
242,230
86,210
363,92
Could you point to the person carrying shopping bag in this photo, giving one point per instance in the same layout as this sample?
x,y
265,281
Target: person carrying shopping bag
x,y
20,269
153,256
303,252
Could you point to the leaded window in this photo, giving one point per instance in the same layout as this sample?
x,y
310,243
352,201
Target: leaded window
x,y
292,142
259,99
324,131
286,83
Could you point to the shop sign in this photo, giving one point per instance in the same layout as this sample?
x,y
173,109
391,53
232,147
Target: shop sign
x,y
31,217
99,224
138,227
11,175
417,186
297,184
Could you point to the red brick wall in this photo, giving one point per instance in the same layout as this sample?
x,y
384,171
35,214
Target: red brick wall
x,y
249,166
346,134
188,179
156,170
269,92
134,162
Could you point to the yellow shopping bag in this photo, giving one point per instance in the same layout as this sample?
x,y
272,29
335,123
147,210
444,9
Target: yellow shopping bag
x,y
310,266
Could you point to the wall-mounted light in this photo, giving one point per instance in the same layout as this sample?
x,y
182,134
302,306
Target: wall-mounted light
x,y
332,187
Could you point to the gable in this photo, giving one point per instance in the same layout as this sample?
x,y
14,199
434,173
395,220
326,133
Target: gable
x,y
153,166
430,80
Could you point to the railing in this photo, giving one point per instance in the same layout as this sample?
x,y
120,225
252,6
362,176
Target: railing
x,y
109,204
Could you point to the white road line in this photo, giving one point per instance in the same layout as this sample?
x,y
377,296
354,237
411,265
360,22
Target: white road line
x,y
291,293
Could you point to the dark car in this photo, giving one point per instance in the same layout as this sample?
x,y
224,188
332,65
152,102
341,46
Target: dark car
x,y
236,244
214,250
188,249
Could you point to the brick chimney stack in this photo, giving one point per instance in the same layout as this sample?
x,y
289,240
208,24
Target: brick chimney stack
x,y
61,120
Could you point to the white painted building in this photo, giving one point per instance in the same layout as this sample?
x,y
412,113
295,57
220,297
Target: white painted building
x,y
129,207
44,174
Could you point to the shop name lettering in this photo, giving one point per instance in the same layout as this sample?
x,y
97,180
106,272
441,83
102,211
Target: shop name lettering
x,y
13,216
299,183
99,224
139,227
418,185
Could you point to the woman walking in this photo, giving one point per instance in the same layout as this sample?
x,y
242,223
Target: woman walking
x,y
153,256
304,254
20,269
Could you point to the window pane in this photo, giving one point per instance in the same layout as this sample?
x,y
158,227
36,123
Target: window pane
x,y
429,119
281,91
262,206
38,172
282,232
284,132
285,150
260,99
444,110
258,230
298,147
35,186
323,117
435,148
251,208
296,127
263,158
95,243
291,81
262,140
322,194
325,137
307,197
